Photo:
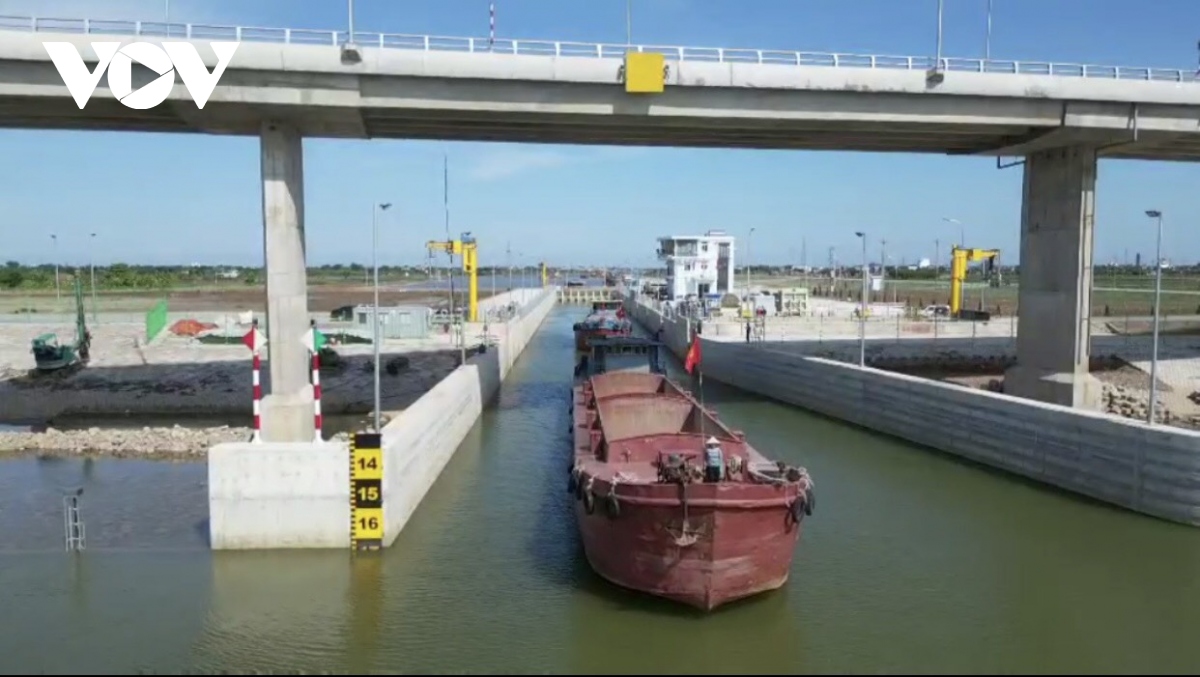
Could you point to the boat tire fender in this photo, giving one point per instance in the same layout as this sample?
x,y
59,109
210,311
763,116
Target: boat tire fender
x,y
589,501
612,505
580,491
797,510
810,501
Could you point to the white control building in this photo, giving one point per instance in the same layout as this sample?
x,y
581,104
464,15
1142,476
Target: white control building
x,y
698,264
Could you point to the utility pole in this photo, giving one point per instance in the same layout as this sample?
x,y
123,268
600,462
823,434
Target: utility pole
x,y
508,262
1153,404
446,210
883,269
987,44
375,338
862,314
92,265
57,287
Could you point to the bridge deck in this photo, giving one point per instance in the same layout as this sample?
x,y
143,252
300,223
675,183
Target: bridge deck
x,y
558,92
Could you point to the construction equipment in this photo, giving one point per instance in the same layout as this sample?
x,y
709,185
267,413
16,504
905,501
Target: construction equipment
x,y
50,355
960,259
467,248
545,274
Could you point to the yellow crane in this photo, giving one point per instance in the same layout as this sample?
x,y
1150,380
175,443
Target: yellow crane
x,y
545,274
467,248
960,259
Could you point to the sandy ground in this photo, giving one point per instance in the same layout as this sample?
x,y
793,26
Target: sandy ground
x,y
179,376
183,376
321,299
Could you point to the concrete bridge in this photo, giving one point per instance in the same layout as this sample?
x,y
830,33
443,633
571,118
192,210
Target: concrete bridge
x,y
284,84
405,86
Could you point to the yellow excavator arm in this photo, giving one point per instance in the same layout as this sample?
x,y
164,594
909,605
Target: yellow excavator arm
x,y
961,258
467,248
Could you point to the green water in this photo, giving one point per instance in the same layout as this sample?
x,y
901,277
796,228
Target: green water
x,y
913,562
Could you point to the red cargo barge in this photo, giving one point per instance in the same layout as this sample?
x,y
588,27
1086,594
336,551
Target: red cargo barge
x,y
670,501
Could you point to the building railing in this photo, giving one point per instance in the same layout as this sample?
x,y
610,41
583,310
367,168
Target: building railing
x,y
297,36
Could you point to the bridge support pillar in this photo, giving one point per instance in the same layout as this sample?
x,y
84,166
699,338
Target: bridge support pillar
x,y
287,412
1054,316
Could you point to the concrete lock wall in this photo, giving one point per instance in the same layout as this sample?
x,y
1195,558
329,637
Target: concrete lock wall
x,y
297,495
1150,469
420,441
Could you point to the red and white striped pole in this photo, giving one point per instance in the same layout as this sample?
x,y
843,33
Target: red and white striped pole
x,y
491,25
314,340
316,384
255,341
257,399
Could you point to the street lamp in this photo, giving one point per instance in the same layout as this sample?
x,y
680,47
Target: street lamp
x,y
350,51
987,43
1150,410
57,288
935,74
862,313
748,236
92,265
375,313
961,231
883,270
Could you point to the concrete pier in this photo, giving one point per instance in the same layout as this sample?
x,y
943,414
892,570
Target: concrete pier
x,y
287,411
297,495
1057,223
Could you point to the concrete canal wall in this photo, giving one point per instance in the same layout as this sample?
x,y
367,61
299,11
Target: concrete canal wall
x,y
421,440
297,495
1154,470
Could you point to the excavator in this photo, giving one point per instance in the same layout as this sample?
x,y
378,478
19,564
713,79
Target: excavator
x,y
467,248
961,258
50,355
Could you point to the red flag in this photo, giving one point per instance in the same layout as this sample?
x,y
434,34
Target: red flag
x,y
692,360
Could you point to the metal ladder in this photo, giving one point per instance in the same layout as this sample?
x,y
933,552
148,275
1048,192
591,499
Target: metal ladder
x,y
72,522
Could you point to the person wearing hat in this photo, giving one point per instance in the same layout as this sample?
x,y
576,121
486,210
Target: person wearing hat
x,y
714,461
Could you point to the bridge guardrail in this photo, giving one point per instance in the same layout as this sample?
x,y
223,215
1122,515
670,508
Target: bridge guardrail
x,y
160,29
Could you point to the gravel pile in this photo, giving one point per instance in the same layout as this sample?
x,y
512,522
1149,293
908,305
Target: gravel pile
x,y
175,442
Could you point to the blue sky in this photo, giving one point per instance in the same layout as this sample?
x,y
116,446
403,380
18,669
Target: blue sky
x,y
576,205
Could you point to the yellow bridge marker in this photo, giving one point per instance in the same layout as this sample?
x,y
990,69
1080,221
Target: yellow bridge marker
x,y
366,491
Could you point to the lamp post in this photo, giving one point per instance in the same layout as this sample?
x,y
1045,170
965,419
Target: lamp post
x,y
375,312
987,43
748,236
1150,410
57,288
961,231
92,265
883,270
937,64
862,313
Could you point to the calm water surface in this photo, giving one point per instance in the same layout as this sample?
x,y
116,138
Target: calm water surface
x,y
913,562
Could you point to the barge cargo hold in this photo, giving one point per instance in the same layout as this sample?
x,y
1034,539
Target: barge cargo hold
x,y
669,500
